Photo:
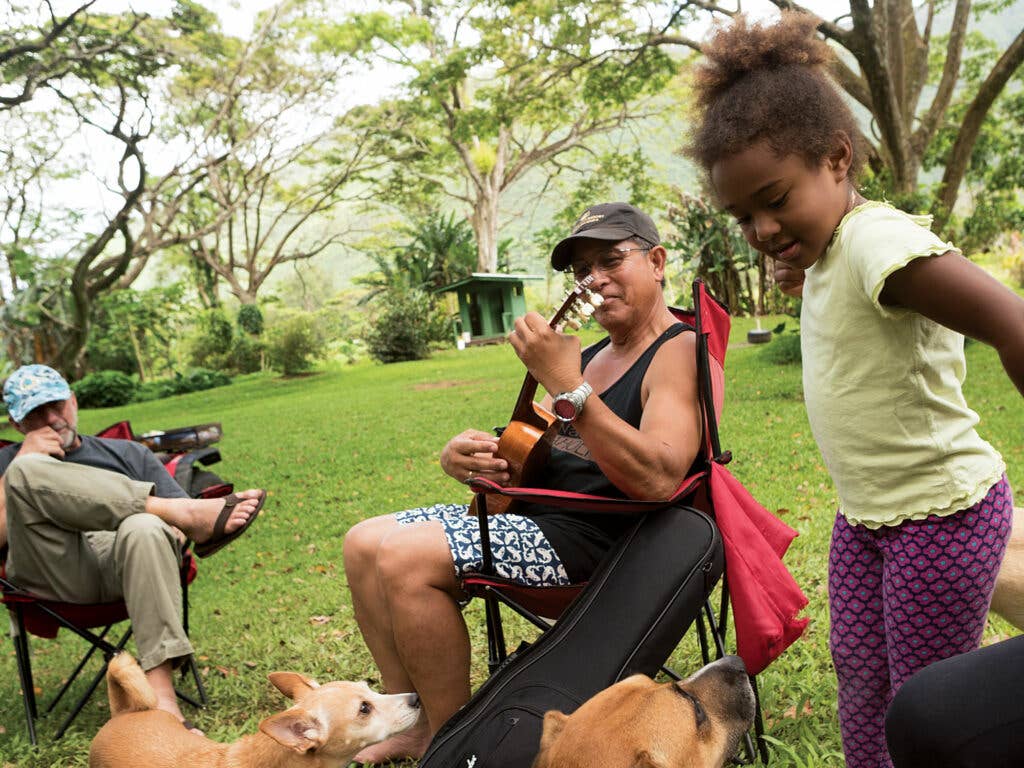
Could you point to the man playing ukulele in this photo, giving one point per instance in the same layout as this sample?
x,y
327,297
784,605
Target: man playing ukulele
x,y
628,425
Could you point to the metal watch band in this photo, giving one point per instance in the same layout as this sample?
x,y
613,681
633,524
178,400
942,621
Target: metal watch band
x,y
576,398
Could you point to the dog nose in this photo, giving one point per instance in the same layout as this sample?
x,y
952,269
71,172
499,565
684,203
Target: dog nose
x,y
733,664
414,701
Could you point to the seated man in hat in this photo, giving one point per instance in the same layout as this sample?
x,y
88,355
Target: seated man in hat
x,y
91,520
629,427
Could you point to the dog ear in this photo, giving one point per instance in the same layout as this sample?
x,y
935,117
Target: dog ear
x,y
554,722
645,759
292,684
294,729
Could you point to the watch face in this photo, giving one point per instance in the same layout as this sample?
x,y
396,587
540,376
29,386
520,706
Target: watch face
x,y
564,409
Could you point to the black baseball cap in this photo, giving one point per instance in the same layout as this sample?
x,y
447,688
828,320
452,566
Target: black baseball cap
x,y
606,221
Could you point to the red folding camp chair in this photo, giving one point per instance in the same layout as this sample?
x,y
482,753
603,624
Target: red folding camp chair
x,y
764,597
33,615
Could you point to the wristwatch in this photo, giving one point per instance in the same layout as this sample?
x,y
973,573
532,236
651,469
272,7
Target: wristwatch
x,y
568,405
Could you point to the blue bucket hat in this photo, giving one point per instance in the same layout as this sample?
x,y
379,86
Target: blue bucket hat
x,y
31,386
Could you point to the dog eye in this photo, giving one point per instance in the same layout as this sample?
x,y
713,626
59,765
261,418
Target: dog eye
x,y
699,713
365,708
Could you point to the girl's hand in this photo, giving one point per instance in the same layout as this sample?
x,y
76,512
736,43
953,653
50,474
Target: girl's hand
x,y
789,279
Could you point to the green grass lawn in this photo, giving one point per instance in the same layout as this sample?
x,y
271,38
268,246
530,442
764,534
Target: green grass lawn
x,y
350,442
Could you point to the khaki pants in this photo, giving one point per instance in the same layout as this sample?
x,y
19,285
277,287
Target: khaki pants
x,y
81,535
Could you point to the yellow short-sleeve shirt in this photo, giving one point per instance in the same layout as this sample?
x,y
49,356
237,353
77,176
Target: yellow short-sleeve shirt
x,y
883,386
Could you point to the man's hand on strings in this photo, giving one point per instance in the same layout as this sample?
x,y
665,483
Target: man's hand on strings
x,y
552,358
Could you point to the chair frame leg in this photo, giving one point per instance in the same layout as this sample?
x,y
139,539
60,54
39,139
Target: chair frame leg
x,y
24,660
97,642
81,665
96,680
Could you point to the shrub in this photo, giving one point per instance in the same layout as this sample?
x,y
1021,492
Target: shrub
x,y
294,343
784,349
199,379
195,380
246,354
211,341
407,324
104,389
250,319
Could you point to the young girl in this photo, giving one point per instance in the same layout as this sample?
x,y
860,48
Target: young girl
x,y
925,507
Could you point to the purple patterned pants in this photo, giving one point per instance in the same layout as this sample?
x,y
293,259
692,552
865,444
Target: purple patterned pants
x,y
902,597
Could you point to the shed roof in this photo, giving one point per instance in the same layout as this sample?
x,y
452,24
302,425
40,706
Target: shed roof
x,y
487,277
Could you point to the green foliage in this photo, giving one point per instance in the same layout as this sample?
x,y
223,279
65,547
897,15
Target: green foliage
x,y
612,170
246,354
294,343
104,389
407,323
250,319
994,178
707,243
784,349
134,331
196,380
440,250
211,339
521,85
199,379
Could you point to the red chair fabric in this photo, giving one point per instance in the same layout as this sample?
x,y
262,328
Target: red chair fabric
x,y
89,616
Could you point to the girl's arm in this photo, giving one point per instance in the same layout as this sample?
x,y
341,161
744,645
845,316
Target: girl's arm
x,y
953,291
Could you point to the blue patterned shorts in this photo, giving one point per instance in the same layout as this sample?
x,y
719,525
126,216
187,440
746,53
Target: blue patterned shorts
x,y
520,550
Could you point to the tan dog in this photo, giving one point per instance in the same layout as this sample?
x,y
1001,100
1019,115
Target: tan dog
x,y
325,728
638,723
1008,598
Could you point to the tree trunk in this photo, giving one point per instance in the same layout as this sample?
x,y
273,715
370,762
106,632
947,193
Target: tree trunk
x,y
485,227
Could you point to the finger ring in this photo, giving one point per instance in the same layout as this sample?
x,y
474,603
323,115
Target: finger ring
x,y
469,475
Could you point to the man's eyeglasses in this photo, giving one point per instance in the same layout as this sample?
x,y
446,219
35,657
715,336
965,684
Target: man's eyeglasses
x,y
606,262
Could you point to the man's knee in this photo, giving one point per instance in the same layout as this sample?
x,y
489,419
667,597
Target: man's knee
x,y
362,540
144,533
23,472
413,556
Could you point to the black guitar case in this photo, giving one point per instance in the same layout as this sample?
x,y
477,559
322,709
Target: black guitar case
x,y
636,608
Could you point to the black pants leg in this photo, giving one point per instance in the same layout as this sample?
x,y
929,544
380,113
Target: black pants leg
x,y
962,712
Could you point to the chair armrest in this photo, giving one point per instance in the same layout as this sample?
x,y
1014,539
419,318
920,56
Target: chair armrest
x,y
584,502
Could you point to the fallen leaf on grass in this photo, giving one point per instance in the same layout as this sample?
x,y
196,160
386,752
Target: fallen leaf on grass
x,y
250,664
314,620
790,714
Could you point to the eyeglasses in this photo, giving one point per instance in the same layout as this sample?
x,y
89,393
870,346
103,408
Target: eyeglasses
x,y
607,262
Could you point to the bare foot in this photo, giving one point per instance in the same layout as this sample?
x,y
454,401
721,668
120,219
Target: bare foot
x,y
161,681
197,517
409,744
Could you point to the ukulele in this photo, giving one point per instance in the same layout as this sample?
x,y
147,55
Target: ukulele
x,y
526,442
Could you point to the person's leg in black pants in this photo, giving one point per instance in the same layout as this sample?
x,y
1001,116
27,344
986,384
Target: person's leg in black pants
x,y
963,712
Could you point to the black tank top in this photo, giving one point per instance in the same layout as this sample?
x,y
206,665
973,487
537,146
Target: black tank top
x,y
579,538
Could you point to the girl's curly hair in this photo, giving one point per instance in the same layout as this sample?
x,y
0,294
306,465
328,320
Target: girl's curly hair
x,y
768,83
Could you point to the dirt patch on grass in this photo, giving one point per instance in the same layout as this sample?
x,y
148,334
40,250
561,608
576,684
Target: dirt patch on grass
x,y
444,384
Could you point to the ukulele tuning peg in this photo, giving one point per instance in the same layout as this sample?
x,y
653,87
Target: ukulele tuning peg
x,y
587,310
573,323
596,299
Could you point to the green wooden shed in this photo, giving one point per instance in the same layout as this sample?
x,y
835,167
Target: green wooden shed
x,y
489,303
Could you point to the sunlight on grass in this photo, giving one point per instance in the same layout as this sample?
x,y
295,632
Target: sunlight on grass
x,y
349,442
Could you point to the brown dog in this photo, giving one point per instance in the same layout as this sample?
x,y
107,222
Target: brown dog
x,y
1008,598
325,728
637,723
